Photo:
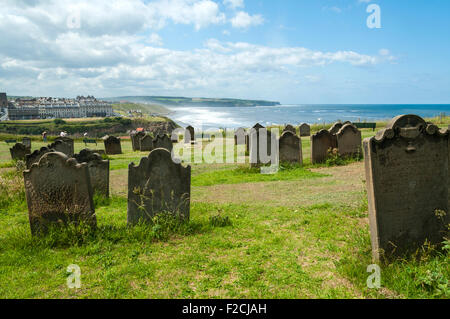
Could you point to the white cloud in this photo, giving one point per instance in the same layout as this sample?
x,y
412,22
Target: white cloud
x,y
116,52
155,39
234,3
244,20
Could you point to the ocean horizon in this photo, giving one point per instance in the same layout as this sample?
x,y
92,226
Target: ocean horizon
x,y
295,114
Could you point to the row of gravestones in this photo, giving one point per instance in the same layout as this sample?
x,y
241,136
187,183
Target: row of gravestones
x,y
145,142
407,169
344,137
60,189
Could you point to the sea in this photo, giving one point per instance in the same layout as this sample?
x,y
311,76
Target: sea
x,y
234,117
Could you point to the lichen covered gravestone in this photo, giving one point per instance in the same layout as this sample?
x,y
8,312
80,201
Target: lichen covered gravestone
x,y
305,130
162,141
290,148
407,173
61,146
34,157
112,145
68,141
98,171
349,141
189,135
158,185
58,191
19,152
321,143
146,143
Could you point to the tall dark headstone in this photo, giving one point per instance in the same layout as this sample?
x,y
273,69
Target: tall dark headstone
x,y
261,142
290,148
321,144
407,172
349,141
305,130
158,185
135,140
240,136
146,143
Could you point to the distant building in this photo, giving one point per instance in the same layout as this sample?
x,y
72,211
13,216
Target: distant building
x,y
48,107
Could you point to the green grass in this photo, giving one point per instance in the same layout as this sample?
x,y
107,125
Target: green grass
x,y
257,249
244,174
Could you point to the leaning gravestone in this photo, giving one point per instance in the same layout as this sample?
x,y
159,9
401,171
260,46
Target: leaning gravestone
x,y
290,128
407,171
34,157
158,185
58,191
112,145
19,152
290,148
27,142
349,140
162,141
146,143
68,141
135,140
98,171
240,136
189,135
63,147
321,143
305,130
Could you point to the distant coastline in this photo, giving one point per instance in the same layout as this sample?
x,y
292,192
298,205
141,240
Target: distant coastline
x,y
194,102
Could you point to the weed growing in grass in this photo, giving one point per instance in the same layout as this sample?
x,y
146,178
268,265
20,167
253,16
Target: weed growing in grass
x,y
12,190
334,159
219,220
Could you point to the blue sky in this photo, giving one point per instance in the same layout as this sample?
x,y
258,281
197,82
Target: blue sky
x,y
299,51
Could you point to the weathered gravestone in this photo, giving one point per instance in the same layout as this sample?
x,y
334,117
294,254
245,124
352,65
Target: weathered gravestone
x,y
61,146
58,191
162,141
146,143
290,128
305,130
407,174
349,141
321,143
290,148
335,128
112,145
19,152
158,185
34,157
27,142
68,141
98,171
136,140
263,146
240,136
189,135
